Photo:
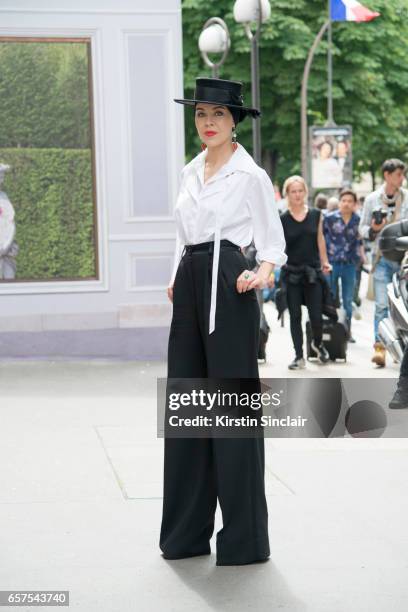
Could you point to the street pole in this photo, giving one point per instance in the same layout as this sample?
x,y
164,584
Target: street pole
x,y
255,85
256,123
303,118
256,15
330,120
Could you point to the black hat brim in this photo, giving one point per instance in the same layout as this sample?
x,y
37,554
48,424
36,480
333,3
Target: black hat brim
x,y
253,112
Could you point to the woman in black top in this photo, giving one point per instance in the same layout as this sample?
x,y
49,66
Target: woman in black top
x,y
306,251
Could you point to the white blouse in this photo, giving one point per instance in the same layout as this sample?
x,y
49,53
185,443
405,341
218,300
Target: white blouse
x,y
236,204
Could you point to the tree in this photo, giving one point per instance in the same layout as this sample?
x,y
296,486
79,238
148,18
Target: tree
x,y
370,78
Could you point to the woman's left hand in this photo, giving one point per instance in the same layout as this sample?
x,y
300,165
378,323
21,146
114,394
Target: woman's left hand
x,y
327,268
250,280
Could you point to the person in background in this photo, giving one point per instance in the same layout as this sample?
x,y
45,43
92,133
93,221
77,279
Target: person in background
x,y
400,397
320,202
359,270
344,246
359,206
332,204
387,204
307,256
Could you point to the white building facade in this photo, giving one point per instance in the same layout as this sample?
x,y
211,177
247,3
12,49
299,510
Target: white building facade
x,y
138,152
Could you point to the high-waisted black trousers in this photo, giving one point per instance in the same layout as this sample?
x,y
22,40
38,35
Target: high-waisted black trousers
x,y
312,296
197,471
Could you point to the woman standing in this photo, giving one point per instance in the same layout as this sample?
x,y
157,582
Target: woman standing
x,y
307,256
225,201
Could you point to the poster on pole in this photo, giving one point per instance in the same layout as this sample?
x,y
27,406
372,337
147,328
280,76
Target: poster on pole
x,y
331,156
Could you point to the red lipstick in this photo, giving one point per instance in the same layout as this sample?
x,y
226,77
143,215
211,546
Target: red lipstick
x,y
210,133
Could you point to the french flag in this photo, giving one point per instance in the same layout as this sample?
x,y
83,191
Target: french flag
x,y
350,10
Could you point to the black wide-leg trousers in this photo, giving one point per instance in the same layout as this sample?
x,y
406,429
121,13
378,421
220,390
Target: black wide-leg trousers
x,y
198,471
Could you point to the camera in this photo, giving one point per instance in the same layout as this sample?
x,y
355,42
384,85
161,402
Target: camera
x,y
379,215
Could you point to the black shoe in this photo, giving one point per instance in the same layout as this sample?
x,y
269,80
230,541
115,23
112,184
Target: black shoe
x,y
263,560
351,339
321,351
262,353
400,399
186,555
297,364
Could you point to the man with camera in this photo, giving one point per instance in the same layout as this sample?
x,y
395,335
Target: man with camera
x,y
387,204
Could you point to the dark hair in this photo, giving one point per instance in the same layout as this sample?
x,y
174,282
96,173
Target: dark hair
x,y
328,143
320,201
350,192
235,112
390,165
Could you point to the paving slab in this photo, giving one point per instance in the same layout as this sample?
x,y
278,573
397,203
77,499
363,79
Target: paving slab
x,y
81,500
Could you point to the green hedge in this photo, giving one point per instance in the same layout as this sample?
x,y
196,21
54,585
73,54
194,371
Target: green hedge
x,y
51,191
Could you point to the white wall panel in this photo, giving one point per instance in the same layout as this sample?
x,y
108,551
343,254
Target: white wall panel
x,y
139,142
149,272
148,114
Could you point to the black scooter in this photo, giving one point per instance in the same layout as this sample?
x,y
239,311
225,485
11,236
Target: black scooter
x,y
393,330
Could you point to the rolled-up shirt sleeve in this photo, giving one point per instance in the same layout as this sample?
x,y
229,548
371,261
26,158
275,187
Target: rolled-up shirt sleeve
x,y
269,238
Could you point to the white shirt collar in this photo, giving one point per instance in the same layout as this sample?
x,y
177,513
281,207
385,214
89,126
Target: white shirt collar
x,y
239,161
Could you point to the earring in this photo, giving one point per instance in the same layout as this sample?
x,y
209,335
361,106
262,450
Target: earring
x,y
234,139
203,146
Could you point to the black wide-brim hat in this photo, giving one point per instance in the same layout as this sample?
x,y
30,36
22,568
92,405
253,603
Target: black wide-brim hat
x,y
220,91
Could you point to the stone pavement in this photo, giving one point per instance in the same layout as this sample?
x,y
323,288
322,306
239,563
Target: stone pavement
x,y
81,495
80,505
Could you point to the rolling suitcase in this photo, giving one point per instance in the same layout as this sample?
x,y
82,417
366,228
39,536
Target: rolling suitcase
x,y
335,337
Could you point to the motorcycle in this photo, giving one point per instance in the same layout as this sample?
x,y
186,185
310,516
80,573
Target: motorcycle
x,y
393,330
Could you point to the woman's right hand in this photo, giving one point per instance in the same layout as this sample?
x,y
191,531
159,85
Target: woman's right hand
x,y
170,293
